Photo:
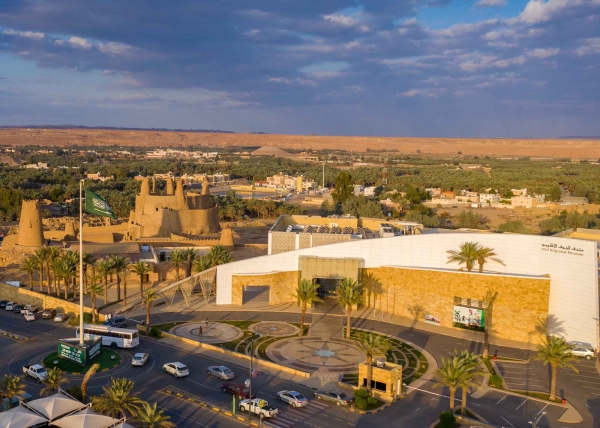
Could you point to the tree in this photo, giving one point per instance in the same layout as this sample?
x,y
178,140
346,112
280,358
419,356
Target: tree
x,y
41,255
178,257
89,261
470,376
449,375
12,386
30,265
104,269
141,268
488,304
191,256
94,290
467,254
485,253
558,353
54,379
148,297
218,255
372,345
53,254
88,375
513,226
470,220
344,187
118,399
203,263
306,294
119,265
63,271
349,293
555,193
150,417
72,259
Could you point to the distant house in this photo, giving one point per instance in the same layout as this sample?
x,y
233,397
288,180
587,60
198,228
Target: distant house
x,y
448,194
519,192
488,198
524,201
573,200
98,177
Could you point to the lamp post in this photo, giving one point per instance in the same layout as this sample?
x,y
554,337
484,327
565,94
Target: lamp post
x,y
535,424
80,262
253,340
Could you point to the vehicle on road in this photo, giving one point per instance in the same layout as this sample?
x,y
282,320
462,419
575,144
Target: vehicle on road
x,y
586,353
176,369
29,316
240,391
3,304
17,309
111,336
258,407
30,308
221,372
9,306
48,314
139,359
293,398
116,321
336,397
61,317
36,371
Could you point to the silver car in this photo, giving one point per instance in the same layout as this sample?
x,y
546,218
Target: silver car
x,y
337,397
139,359
176,369
221,372
293,398
60,317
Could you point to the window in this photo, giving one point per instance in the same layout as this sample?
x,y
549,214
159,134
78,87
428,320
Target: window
x,y
469,303
378,386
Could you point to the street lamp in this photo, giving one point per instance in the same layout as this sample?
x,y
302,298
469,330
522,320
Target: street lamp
x,y
253,340
535,424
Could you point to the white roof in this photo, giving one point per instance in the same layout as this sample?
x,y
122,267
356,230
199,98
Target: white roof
x,y
55,406
86,418
20,417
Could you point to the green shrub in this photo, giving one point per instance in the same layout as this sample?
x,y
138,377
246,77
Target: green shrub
x,y
496,381
361,397
154,332
75,392
371,401
87,319
447,420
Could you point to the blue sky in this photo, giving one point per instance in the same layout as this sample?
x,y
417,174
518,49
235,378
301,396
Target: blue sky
x,y
447,68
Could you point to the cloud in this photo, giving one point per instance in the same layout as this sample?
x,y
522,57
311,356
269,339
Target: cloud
x,y
78,42
115,48
538,11
343,20
590,46
544,53
426,92
26,34
491,3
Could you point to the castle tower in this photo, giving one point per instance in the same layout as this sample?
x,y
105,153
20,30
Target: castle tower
x,y
31,232
226,238
70,229
205,186
145,190
153,184
179,192
170,186
299,184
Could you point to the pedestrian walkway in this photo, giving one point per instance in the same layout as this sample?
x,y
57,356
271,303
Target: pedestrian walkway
x,y
326,327
292,416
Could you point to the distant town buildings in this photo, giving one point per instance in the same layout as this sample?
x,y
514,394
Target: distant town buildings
x,y
39,165
283,181
98,177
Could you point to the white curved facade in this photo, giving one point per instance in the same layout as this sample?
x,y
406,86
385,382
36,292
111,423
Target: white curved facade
x,y
572,265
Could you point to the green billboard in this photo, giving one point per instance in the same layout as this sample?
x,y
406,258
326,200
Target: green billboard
x,y
72,350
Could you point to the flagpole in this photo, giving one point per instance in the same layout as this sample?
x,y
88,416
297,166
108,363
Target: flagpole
x,y
81,262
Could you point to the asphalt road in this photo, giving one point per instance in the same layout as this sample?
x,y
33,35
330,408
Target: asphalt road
x,y
418,409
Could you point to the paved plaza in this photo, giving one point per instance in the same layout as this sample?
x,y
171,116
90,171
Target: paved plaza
x,y
213,332
274,329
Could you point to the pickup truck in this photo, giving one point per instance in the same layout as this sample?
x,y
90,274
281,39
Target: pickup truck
x,y
258,407
36,371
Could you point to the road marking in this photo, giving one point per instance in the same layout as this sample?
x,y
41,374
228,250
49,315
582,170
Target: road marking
x,y
418,408
198,383
541,410
432,393
507,421
526,400
501,399
589,387
585,381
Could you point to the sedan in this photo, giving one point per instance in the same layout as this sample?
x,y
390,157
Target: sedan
x,y
60,317
176,369
293,398
29,316
139,359
48,314
3,304
337,397
221,372
17,309
9,306
240,391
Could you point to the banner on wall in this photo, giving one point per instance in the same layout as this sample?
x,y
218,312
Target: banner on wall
x,y
432,319
469,316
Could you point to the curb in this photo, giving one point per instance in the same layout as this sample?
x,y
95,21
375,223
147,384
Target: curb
x,y
99,371
14,336
370,412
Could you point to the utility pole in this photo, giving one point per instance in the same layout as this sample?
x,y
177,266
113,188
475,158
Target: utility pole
x,y
323,176
80,262
252,349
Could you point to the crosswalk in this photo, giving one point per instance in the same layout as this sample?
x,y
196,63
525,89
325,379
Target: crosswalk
x,y
292,416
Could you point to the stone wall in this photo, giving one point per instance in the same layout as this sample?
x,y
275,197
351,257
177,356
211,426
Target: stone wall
x,y
282,286
521,303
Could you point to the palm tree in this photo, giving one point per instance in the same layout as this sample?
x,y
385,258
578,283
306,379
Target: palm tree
x,y
191,256
63,271
104,269
140,268
53,254
178,257
41,255
202,263
148,297
488,301
450,375
306,294
55,279
349,293
467,255
118,265
218,255
72,258
485,253
470,376
88,375
12,386
89,261
118,399
30,265
372,345
94,290
54,379
558,353
150,417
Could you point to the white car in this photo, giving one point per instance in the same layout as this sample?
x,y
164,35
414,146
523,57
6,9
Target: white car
x,y
29,316
586,353
61,317
293,398
139,359
176,369
221,372
9,306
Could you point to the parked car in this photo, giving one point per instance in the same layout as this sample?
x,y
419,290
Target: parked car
x,y
258,407
336,397
29,316
240,391
221,372
48,314
61,317
36,371
293,398
31,308
139,359
9,306
17,309
3,304
176,369
586,353
117,321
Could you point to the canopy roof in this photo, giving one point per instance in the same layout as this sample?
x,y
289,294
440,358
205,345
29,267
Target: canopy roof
x,y
86,418
20,417
55,406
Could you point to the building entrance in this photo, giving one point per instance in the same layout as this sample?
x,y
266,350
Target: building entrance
x,y
327,287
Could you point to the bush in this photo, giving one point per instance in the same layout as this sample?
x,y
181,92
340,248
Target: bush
x,y
447,420
371,401
87,318
154,332
361,398
496,381
75,392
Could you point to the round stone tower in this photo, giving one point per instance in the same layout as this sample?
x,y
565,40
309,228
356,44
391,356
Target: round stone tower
x,y
31,232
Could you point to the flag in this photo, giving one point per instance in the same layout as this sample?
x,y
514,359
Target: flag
x,y
94,204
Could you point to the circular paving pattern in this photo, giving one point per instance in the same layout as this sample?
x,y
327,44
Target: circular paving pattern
x,y
214,332
274,329
311,354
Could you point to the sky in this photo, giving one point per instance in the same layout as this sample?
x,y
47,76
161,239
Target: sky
x,y
424,68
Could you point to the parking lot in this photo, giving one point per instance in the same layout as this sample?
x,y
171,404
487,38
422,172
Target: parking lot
x,y
532,377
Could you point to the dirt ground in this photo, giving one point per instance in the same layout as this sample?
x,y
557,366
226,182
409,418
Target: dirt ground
x,y
579,149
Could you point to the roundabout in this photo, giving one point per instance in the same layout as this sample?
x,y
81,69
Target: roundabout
x,y
107,360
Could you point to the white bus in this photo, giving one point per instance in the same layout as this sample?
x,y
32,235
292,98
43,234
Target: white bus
x,y
111,336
